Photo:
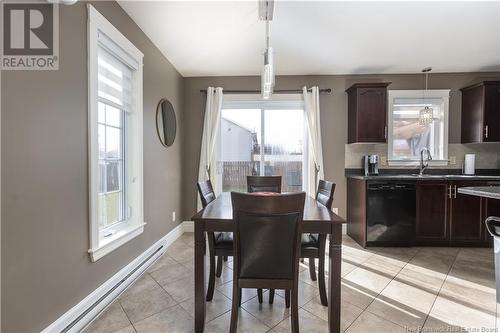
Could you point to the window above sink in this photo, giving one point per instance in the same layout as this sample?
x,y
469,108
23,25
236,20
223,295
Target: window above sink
x,y
407,136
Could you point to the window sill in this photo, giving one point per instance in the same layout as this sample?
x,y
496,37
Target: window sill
x,y
120,237
414,163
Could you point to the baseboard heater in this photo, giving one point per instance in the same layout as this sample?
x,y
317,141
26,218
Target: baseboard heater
x,y
116,286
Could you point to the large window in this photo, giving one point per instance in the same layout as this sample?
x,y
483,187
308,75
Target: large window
x,y
115,137
262,138
407,135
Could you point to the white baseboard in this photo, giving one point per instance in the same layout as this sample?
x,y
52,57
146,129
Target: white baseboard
x,y
82,314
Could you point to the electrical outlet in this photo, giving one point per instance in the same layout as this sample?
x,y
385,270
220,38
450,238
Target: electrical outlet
x,y
173,216
383,160
335,210
453,160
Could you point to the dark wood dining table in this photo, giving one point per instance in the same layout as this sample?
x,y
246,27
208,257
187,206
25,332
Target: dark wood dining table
x,y
218,217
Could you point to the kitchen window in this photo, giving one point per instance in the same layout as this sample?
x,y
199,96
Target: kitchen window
x,y
115,137
262,138
408,133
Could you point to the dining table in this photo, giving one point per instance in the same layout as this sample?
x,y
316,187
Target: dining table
x,y
217,216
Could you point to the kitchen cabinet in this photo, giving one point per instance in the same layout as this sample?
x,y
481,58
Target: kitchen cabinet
x,y
367,112
481,112
466,218
432,212
443,217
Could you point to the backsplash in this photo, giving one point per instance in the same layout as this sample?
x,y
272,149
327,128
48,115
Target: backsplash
x,y
487,155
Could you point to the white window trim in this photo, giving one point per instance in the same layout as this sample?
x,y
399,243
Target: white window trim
x,y
124,49
435,93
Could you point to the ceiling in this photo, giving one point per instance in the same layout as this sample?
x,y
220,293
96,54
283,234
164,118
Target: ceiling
x,y
215,38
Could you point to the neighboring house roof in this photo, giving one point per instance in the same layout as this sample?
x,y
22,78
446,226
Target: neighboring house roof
x,y
239,125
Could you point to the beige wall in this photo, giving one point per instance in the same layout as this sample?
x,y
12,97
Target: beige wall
x,y
45,266
333,117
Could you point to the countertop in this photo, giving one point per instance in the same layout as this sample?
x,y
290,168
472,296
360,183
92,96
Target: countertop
x,y
424,177
492,192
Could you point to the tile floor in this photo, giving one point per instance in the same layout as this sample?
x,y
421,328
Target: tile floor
x,y
383,290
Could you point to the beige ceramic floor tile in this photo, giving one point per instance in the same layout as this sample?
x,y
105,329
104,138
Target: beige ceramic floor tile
x,y
368,279
128,329
308,323
173,320
306,292
164,261
269,314
349,312
111,320
403,304
247,294
146,303
180,290
180,252
219,305
143,283
473,295
246,323
357,295
171,273
369,322
458,314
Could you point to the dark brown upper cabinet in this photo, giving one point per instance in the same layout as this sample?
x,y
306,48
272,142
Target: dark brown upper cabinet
x,y
367,112
481,112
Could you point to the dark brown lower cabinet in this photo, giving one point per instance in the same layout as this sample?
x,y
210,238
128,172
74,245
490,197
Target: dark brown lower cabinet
x,y
466,218
432,213
446,217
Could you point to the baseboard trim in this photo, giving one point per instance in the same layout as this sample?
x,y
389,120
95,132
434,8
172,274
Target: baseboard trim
x,y
83,313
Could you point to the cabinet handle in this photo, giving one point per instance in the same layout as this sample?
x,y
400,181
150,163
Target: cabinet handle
x,y
455,192
486,132
449,191
385,132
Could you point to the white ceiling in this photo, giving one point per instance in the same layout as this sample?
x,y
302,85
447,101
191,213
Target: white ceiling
x,y
214,38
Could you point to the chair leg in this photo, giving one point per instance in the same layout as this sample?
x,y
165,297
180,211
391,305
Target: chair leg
x,y
240,289
219,266
225,258
234,308
312,269
287,298
211,276
321,272
259,295
295,311
271,296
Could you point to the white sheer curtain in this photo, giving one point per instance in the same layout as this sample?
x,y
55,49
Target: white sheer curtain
x,y
311,105
210,130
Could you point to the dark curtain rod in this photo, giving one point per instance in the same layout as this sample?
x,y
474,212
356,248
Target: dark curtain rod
x,y
286,91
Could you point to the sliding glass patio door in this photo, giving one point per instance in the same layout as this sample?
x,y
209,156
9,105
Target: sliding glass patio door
x,y
259,138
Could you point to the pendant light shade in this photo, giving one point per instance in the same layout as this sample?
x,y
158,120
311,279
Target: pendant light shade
x,y
267,78
426,115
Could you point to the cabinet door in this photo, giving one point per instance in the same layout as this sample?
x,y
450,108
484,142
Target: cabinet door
x,y
472,115
371,115
432,208
492,114
466,224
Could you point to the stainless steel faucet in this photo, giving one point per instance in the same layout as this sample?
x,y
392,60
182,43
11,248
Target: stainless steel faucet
x,y
429,158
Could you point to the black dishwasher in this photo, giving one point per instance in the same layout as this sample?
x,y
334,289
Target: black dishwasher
x,y
391,213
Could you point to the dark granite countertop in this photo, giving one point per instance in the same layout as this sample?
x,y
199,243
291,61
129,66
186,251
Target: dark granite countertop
x,y
429,174
492,192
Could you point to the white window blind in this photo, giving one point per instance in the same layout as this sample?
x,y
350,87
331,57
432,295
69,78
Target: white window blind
x,y
114,81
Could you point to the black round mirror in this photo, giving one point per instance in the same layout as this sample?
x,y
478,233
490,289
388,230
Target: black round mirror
x,y
166,123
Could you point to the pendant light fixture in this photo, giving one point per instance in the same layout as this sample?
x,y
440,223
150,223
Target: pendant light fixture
x,y
426,115
266,11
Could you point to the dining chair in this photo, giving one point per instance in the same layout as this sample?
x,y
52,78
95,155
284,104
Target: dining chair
x,y
264,184
266,251
220,244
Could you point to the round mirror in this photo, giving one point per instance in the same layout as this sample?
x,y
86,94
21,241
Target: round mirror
x,y
166,124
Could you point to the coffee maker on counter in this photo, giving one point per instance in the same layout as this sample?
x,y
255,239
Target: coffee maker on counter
x,y
370,163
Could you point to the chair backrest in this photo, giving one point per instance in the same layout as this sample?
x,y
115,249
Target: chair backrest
x,y
267,235
206,191
325,193
264,184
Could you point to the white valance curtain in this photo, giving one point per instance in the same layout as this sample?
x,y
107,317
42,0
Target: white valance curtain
x,y
210,128
311,105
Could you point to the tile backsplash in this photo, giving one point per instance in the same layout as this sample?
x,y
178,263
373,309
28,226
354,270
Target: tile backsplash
x,y
487,155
